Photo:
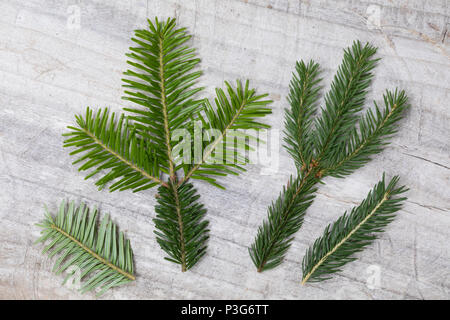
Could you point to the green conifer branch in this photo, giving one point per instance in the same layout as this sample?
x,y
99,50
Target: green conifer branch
x,y
352,232
102,255
137,152
337,146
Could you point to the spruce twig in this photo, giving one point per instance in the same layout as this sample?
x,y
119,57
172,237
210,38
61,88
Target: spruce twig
x,y
352,232
340,142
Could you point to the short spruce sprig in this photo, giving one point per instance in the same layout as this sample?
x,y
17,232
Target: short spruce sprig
x,y
336,143
103,256
352,232
144,149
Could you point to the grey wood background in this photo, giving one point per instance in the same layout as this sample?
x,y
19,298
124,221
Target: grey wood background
x,y
57,57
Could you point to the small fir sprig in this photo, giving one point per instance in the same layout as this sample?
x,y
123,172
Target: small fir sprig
x,y
102,254
139,151
352,232
334,144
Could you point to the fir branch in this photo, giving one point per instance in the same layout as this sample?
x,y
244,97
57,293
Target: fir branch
x,y
352,232
102,255
137,152
181,231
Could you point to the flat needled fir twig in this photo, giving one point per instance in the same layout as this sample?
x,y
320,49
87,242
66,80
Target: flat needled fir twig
x,y
142,150
99,252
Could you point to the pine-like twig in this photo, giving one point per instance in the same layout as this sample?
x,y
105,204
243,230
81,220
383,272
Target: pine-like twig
x,y
102,255
352,232
337,145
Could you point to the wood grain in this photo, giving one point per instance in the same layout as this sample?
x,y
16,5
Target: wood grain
x,y
51,70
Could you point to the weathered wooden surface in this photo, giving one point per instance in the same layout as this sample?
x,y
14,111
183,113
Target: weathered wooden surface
x,y
51,69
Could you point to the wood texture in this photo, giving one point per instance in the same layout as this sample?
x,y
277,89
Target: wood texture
x,y
51,69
